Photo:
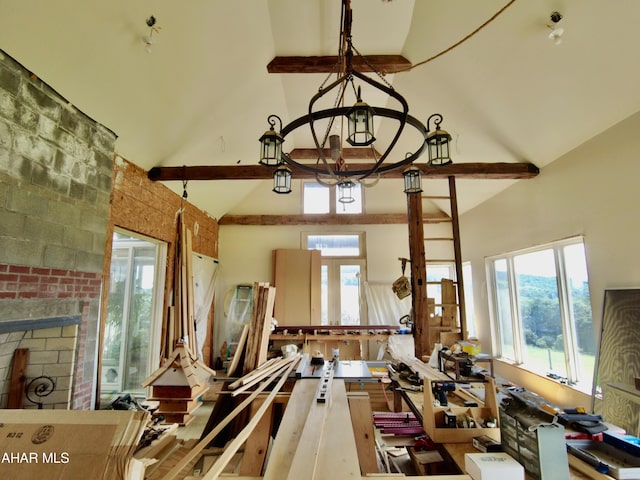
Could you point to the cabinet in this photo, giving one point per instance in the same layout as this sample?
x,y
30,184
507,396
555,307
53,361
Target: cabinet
x,y
538,446
296,276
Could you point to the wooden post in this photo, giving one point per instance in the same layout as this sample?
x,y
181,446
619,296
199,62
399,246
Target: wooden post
x,y
418,276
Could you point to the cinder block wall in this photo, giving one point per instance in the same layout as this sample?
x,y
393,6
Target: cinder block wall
x,y
56,167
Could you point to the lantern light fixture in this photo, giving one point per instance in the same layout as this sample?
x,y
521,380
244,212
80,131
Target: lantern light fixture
x,y
360,120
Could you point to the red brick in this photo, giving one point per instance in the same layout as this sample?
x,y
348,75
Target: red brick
x,y
59,272
29,279
41,271
8,277
5,295
19,269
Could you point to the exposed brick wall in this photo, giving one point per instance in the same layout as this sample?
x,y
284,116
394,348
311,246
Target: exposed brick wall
x,y
56,168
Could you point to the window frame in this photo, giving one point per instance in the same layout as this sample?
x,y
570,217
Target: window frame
x,y
576,377
333,202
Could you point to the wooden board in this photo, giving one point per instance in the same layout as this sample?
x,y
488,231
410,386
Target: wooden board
x,y
255,449
361,418
18,378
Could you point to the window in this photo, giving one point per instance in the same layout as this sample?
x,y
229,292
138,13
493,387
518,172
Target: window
x,y
541,311
131,335
343,273
320,199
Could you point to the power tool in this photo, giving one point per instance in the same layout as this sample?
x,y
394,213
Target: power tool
x,y
440,389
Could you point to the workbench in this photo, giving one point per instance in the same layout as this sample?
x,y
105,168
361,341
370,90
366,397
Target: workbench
x,y
579,470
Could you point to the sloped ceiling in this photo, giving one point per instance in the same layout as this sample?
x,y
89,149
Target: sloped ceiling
x,y
203,94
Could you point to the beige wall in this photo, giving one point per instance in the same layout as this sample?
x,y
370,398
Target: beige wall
x,y
593,191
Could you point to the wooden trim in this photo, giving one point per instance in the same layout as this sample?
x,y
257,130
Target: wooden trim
x,y
18,378
329,219
329,64
492,171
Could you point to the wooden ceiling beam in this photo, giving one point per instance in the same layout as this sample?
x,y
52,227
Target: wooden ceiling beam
x,y
328,64
329,219
492,171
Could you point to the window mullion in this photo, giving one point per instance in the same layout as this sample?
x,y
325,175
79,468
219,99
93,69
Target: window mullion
x,y
568,327
516,325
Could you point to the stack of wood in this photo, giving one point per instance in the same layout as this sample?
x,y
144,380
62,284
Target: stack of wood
x,y
253,344
444,328
180,326
178,385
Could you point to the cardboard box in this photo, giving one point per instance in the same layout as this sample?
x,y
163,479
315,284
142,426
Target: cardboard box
x,y
491,466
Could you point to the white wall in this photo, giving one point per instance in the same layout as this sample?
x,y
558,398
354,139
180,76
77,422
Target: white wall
x,y
592,190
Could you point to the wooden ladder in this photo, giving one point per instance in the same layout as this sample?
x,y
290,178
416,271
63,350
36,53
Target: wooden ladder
x,y
457,282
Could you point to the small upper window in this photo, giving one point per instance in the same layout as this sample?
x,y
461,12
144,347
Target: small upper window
x,y
318,198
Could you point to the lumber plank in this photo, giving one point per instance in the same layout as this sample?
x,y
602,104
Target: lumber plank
x,y
242,343
361,418
290,430
237,442
255,449
18,378
338,455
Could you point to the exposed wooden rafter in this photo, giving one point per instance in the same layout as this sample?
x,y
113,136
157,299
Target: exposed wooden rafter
x,y
489,171
327,64
330,219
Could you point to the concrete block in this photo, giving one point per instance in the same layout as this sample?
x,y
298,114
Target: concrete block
x,y
9,80
31,146
26,118
64,213
6,135
21,252
60,184
103,140
8,105
40,230
92,221
77,239
57,256
30,94
89,262
27,202
40,175
12,225
75,124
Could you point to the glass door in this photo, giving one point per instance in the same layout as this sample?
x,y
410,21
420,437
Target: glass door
x,y
131,334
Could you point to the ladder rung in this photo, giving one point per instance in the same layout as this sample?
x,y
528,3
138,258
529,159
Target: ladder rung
x,y
435,260
438,239
436,197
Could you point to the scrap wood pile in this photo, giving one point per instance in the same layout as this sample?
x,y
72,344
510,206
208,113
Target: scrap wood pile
x,y
210,462
235,414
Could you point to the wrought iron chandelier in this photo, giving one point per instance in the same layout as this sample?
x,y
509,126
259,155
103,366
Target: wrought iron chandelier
x,y
359,118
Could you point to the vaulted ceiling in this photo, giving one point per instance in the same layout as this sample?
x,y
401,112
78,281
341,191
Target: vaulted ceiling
x,y
203,93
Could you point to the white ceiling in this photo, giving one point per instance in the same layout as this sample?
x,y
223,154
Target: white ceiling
x,y
202,97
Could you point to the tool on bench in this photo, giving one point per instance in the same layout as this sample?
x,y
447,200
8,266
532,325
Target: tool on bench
x,y
440,389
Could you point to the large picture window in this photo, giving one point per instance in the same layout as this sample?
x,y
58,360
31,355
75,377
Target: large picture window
x,y
541,311
318,198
